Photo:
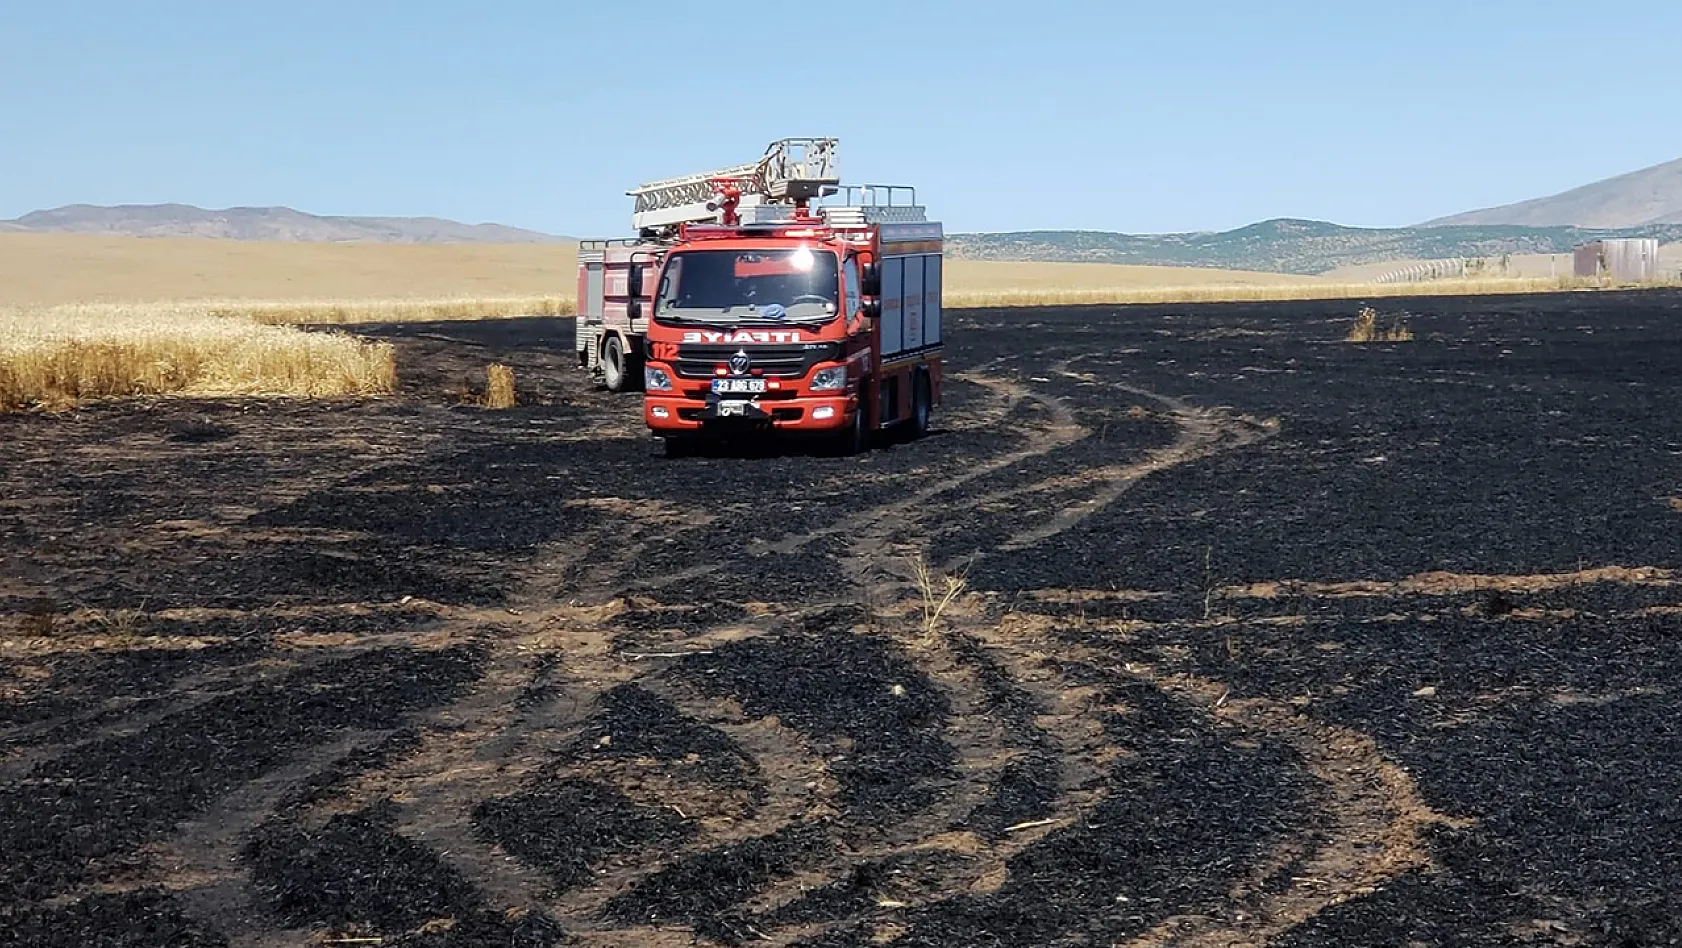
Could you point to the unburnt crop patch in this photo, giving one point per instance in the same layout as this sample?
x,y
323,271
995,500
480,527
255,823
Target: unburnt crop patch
x,y
1260,638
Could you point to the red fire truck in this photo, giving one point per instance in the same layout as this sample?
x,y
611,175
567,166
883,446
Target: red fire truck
x,y
751,304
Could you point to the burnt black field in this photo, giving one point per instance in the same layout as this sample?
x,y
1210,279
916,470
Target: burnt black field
x,y
1263,638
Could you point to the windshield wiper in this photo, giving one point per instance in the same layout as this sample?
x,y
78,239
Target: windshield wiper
x,y
727,318
672,319
785,321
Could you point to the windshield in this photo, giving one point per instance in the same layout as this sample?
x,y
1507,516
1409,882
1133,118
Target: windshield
x,y
794,285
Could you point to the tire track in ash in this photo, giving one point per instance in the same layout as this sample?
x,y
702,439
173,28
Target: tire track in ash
x,y
236,662
1373,821
201,862
134,793
478,746
494,742
798,791
1062,430
1078,740
461,758
1371,816
481,746
1067,730
487,749
802,793
981,748
796,782
492,739
1203,433
27,747
940,838
874,533
867,524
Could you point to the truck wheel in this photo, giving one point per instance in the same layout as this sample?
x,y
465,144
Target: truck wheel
x,y
920,408
856,437
614,375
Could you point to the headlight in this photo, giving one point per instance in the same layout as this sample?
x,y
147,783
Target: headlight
x,y
826,380
656,380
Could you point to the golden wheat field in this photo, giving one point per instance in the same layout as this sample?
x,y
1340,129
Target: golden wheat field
x,y
347,283
46,269
307,282
66,355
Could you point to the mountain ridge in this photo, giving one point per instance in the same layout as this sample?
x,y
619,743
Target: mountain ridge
x,y
1279,245
1638,198
261,223
1288,245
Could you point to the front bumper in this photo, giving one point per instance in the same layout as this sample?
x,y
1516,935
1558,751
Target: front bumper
x,y
677,414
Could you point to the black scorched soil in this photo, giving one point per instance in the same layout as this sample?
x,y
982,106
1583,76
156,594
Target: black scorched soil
x,y
1253,636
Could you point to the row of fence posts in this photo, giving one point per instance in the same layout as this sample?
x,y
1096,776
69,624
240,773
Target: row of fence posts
x,y
1428,270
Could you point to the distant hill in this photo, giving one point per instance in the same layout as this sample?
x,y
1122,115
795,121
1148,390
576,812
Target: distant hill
x,y
1649,196
263,223
1286,246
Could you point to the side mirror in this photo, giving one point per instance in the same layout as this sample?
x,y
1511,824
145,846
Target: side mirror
x,y
634,309
871,307
870,280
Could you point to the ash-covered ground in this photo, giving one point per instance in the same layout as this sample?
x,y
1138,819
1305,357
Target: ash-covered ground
x,y
1255,637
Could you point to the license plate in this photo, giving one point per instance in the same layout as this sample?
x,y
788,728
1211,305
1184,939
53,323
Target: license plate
x,y
734,386
726,409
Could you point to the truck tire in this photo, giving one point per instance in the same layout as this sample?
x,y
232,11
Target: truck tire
x,y
615,363
922,399
856,436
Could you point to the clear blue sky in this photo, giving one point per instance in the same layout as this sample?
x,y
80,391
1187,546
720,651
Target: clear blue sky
x,y
1139,117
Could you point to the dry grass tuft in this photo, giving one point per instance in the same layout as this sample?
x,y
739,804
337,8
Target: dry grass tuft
x,y
62,356
119,624
499,386
938,590
1365,329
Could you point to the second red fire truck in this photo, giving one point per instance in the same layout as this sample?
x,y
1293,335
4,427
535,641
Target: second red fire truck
x,y
751,304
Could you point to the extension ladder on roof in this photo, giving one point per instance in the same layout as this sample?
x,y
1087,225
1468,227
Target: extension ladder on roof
x,y
791,169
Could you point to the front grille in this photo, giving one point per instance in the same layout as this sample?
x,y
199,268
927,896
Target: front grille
x,y
779,414
698,360
704,394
